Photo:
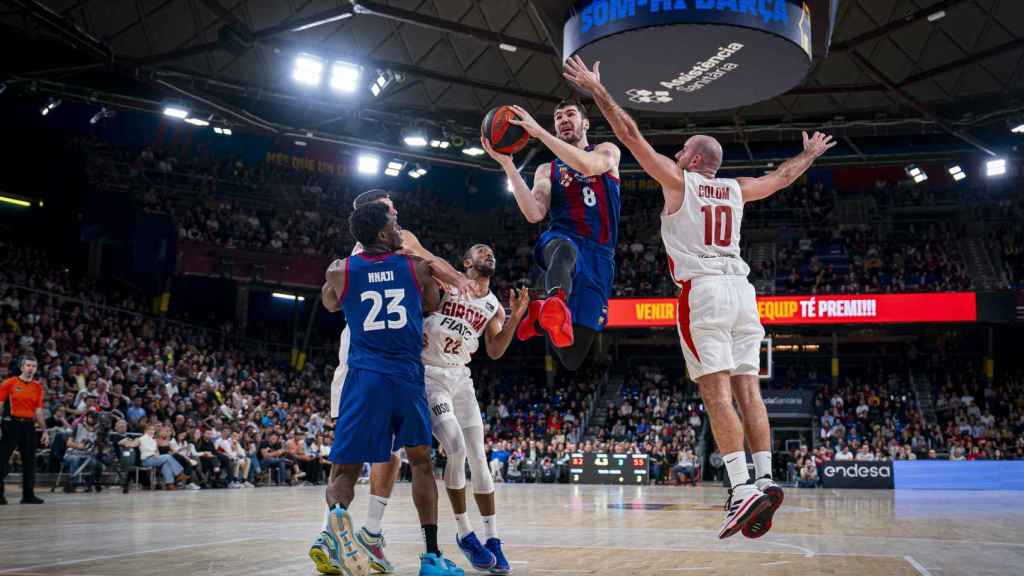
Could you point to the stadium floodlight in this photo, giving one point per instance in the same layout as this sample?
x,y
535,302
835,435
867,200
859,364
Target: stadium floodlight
x,y
394,168
383,80
197,121
176,112
368,164
300,143
308,69
936,16
101,115
289,297
418,171
414,136
957,172
472,151
507,47
345,76
1018,129
442,144
921,177
50,105
222,131
995,167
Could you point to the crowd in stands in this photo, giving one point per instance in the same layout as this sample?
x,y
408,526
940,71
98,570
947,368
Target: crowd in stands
x,y
304,213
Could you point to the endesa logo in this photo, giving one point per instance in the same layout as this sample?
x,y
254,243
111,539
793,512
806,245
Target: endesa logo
x,y
856,471
602,12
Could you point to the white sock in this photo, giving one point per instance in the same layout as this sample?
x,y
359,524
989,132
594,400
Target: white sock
x,y
490,527
736,465
327,519
375,513
463,522
763,464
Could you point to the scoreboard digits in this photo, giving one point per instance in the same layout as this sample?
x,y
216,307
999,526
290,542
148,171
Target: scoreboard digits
x,y
603,468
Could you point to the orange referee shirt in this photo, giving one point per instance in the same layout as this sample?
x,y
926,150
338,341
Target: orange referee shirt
x,y
25,397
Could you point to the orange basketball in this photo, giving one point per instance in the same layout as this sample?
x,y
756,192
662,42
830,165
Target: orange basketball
x,y
505,137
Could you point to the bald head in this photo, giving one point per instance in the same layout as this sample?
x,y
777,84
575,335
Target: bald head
x,y
709,149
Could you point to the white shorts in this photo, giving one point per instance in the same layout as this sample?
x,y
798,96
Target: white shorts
x,y
719,327
451,396
341,371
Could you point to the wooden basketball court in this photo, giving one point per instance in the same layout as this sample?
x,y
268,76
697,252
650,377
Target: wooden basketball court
x,y
546,530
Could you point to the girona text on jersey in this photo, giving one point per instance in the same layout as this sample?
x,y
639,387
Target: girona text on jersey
x,y
455,309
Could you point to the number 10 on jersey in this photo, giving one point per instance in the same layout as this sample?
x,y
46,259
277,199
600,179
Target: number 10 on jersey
x,y
717,225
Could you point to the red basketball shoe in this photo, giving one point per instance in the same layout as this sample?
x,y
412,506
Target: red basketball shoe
x,y
556,319
528,327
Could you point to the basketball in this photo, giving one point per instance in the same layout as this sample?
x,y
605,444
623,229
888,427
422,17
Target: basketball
x,y
505,137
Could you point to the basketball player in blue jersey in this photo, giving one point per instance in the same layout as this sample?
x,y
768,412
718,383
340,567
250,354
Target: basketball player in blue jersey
x,y
383,405
579,190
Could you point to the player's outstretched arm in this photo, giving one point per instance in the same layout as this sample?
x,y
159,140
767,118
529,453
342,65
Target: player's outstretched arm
x,y
658,166
440,268
499,332
603,158
533,202
431,295
788,171
334,286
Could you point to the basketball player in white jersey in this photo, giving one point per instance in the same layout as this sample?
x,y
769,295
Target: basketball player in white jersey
x,y
382,476
719,326
450,338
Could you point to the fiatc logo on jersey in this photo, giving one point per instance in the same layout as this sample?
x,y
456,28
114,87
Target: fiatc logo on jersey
x,y
857,475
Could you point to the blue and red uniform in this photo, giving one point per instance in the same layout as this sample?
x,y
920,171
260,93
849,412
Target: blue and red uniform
x,y
585,211
383,404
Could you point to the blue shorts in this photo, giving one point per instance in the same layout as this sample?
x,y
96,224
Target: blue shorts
x,y
592,281
378,413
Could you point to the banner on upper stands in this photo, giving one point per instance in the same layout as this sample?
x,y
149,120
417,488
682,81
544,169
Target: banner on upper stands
x,y
818,309
857,474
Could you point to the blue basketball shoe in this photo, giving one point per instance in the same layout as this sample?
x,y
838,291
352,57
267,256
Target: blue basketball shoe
x,y
501,565
438,565
479,558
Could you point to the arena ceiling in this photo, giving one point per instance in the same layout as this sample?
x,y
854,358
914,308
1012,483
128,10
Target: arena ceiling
x,y
889,65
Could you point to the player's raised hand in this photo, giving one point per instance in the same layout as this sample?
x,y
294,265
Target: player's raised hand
x,y
577,72
520,302
503,159
527,122
818,144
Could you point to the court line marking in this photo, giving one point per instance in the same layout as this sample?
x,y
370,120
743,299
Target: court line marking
x,y
126,554
917,566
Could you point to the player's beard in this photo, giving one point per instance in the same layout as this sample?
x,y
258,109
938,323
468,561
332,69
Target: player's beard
x,y
572,138
484,269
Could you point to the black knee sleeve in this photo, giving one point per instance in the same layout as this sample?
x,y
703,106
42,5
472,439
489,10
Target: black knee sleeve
x,y
560,261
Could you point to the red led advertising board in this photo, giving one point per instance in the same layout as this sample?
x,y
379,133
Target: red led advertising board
x,y
817,309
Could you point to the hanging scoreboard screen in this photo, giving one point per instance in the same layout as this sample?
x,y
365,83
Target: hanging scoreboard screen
x,y
602,468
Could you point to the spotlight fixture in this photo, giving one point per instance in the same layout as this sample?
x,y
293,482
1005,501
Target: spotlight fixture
x,y
957,172
300,143
473,151
915,173
442,144
384,79
995,167
414,136
197,121
101,115
345,76
1018,129
308,69
368,164
50,105
394,168
417,172
286,296
222,131
507,47
176,112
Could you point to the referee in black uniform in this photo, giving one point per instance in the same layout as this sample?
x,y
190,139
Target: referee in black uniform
x,y
21,408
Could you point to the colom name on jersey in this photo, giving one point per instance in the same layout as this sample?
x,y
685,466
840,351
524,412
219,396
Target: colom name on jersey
x,y
456,310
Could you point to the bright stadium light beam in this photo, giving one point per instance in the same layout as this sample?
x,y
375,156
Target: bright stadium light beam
x,y
175,112
995,167
368,164
289,297
197,122
345,76
472,151
308,70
